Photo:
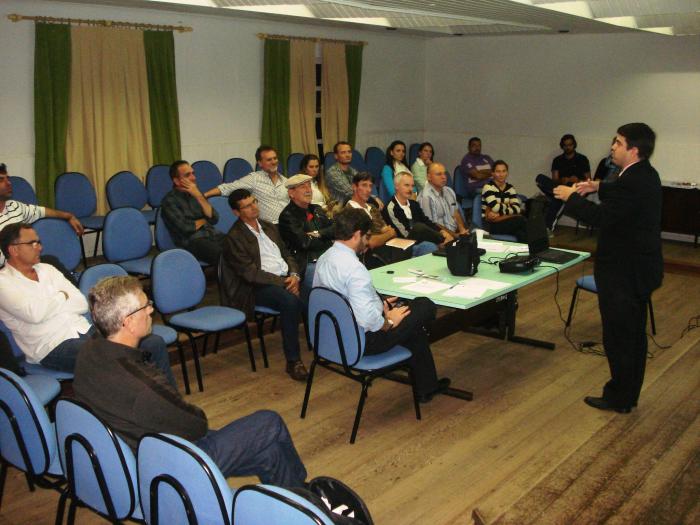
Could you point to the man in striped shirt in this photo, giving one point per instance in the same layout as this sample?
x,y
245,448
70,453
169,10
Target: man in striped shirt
x,y
267,185
12,211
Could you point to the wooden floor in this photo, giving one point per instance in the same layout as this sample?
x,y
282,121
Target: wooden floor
x,y
525,450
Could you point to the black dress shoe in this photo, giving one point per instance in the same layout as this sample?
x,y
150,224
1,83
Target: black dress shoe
x,y
443,385
602,404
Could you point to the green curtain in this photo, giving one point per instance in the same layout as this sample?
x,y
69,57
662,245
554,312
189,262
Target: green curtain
x,y
275,120
353,63
162,96
52,62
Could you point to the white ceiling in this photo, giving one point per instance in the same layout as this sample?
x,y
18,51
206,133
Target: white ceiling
x,y
433,18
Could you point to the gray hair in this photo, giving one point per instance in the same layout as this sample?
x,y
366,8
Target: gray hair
x,y
111,300
400,175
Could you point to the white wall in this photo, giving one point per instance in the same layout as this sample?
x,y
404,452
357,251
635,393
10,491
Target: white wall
x,y
219,80
521,93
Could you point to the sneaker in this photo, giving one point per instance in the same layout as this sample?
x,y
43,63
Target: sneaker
x,y
341,500
297,370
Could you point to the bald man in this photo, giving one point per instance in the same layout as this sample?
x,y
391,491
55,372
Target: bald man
x,y
439,202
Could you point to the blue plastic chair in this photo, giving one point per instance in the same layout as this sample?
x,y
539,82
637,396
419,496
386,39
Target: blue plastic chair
x,y
95,274
226,216
413,153
22,191
236,168
328,160
357,161
27,437
294,163
269,505
75,194
60,240
339,346
461,189
158,184
164,240
99,466
374,159
208,175
478,222
127,240
179,483
587,283
31,368
125,190
177,299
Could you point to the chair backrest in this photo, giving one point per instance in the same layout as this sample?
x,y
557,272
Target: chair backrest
x,y
99,466
450,179
22,191
294,163
357,161
476,212
74,193
27,437
375,158
95,274
16,350
208,175
60,240
334,332
164,241
382,191
413,153
172,292
125,190
158,184
177,479
460,182
126,235
267,504
226,216
328,160
236,168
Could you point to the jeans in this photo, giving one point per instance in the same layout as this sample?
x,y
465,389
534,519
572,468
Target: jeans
x,y
423,248
256,445
291,308
64,356
207,249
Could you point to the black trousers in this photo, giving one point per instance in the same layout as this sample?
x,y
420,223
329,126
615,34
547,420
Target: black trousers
x,y
516,226
411,334
207,249
623,313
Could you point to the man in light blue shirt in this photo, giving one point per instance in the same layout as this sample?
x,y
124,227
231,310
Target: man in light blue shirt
x,y
385,324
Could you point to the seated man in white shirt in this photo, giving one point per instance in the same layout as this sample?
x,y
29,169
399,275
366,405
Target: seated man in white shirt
x,y
385,323
45,312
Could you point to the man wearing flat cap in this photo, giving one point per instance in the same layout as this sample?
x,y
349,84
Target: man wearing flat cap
x,y
257,269
305,228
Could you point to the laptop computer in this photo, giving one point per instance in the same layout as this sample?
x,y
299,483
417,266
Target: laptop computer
x,y
538,240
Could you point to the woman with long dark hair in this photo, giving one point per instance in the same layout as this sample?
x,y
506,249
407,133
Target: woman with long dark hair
x,y
395,163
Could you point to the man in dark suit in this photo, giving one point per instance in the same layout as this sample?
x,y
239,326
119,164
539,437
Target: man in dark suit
x,y
257,269
629,264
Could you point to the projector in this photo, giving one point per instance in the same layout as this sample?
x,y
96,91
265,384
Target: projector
x,y
519,264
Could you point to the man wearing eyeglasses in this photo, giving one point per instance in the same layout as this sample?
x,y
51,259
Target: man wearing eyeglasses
x,y
12,211
45,312
135,399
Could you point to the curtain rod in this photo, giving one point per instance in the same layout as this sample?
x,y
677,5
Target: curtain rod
x,y
103,23
263,36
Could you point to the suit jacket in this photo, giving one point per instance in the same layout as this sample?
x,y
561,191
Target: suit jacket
x,y
293,226
629,222
241,268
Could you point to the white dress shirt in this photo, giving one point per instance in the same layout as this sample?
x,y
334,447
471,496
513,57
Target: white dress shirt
x,y
271,260
272,196
340,270
37,313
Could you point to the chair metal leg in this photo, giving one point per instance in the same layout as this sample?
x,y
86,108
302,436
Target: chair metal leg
x,y
651,318
216,342
204,345
71,511
197,366
97,243
414,391
82,252
250,346
360,406
30,483
261,336
61,509
573,303
183,365
274,324
307,394
3,476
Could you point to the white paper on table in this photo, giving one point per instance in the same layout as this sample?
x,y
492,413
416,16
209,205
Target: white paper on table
x,y
474,288
464,292
486,284
499,247
426,286
405,279
397,242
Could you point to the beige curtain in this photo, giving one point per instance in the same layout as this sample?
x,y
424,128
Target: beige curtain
x,y
109,128
302,96
334,94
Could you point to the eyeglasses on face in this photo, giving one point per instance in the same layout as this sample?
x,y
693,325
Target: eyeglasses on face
x,y
148,303
33,243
